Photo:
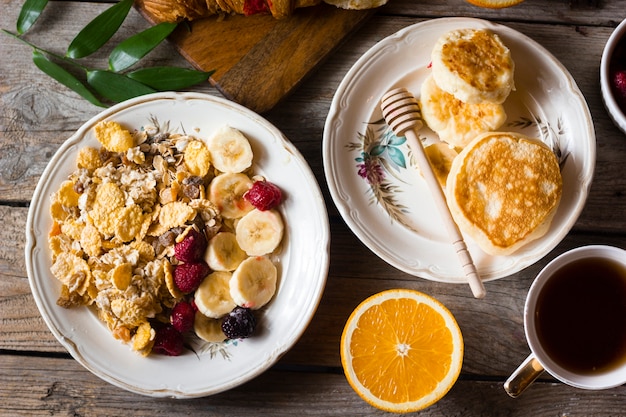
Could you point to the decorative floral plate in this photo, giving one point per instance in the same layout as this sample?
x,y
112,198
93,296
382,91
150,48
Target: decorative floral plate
x,y
302,263
380,193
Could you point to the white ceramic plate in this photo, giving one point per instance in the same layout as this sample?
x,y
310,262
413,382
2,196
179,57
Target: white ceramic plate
x,y
394,215
303,261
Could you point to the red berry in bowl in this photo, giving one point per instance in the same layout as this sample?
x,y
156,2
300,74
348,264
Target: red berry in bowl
x,y
182,316
619,86
188,276
168,341
192,247
264,195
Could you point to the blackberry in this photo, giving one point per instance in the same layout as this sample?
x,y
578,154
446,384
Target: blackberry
x,y
239,323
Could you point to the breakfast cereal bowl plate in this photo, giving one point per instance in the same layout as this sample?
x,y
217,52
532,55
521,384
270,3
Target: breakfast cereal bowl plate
x,y
302,259
382,197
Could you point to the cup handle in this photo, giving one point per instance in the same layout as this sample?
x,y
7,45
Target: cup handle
x,y
523,376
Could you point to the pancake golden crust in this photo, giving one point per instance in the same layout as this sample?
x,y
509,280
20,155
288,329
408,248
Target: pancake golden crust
x,y
454,121
473,65
503,190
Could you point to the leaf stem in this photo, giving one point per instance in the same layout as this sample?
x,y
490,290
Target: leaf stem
x,y
45,51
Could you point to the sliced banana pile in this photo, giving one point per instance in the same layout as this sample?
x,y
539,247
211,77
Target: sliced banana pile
x,y
239,255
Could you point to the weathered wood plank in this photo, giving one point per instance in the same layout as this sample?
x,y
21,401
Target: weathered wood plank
x,y
26,389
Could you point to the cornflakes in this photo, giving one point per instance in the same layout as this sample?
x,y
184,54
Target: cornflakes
x,y
112,219
197,158
88,158
113,136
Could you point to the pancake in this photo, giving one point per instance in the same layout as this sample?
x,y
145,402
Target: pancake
x,y
440,157
473,65
454,121
503,190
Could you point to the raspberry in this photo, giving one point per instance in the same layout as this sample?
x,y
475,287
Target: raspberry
x,y
264,195
192,247
188,276
182,316
619,85
168,341
239,323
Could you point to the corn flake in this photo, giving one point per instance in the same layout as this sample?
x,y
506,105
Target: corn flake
x,y
66,195
128,222
176,214
121,276
197,158
88,158
113,136
144,337
91,240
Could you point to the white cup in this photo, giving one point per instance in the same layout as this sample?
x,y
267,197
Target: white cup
x,y
539,360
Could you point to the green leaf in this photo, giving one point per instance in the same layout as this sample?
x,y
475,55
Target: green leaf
x,y
29,14
137,46
169,78
99,30
64,77
116,87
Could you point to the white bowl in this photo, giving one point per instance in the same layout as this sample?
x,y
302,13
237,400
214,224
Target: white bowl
x,y
303,261
618,115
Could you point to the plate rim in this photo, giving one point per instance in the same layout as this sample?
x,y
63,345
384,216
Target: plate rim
x,y
323,251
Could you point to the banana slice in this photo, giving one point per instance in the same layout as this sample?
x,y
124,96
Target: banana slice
x,y
259,232
208,329
253,283
226,192
230,150
213,297
224,253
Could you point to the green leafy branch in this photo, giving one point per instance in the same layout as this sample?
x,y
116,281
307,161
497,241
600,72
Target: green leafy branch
x,y
113,83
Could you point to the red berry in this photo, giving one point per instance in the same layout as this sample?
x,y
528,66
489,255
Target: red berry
x,y
168,341
264,195
182,316
188,276
192,247
619,83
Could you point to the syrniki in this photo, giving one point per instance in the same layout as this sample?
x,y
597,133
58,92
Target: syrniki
x,y
473,65
455,121
503,190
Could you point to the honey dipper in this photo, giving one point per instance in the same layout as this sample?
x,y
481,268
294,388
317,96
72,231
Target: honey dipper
x,y
402,113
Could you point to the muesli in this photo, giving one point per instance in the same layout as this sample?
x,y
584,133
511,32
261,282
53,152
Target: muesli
x,y
165,234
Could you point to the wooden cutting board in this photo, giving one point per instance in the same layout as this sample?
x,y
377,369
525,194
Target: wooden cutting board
x,y
258,60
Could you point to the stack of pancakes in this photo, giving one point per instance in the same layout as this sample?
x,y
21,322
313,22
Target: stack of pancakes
x,y
502,188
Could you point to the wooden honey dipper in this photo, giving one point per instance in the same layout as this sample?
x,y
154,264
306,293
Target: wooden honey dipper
x,y
402,113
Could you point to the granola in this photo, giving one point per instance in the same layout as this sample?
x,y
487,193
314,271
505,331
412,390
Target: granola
x,y
116,220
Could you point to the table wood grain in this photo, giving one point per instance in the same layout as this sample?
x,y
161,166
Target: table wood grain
x,y
39,378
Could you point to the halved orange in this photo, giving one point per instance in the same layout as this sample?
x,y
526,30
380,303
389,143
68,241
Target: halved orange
x,y
401,350
494,4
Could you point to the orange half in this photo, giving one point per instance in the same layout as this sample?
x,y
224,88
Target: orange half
x,y
401,350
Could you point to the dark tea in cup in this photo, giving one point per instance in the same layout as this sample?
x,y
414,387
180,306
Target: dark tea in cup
x,y
580,315
575,321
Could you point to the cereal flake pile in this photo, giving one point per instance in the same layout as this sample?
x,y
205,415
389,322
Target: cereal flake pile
x,y
165,235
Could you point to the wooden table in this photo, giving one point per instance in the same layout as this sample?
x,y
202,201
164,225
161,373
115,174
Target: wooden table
x,y
37,376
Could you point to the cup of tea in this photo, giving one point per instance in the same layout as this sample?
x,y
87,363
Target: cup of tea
x,y
575,321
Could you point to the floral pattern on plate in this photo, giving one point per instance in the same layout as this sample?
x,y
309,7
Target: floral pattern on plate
x,y
382,158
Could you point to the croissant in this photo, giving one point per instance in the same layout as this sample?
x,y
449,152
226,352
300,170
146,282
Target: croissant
x,y
177,10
